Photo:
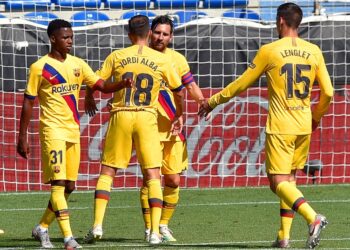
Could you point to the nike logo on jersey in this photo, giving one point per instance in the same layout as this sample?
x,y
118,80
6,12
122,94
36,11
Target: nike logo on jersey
x,y
52,77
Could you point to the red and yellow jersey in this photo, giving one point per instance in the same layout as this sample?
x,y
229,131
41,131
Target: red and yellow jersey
x,y
166,105
147,67
291,66
57,84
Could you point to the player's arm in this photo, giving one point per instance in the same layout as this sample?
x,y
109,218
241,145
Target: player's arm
x,y
327,92
26,115
175,84
250,76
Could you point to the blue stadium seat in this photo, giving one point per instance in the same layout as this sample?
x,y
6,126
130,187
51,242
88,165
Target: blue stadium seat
x,y
83,18
40,17
127,4
27,4
225,3
78,3
176,3
241,13
335,7
184,16
2,16
131,13
268,8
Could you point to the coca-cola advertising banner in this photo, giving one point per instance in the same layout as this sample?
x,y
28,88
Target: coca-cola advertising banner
x,y
226,151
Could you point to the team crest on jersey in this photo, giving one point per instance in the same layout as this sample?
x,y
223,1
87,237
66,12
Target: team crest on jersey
x,y
76,72
252,65
56,169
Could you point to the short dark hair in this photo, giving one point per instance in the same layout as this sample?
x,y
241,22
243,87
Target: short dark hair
x,y
163,19
139,25
291,13
57,24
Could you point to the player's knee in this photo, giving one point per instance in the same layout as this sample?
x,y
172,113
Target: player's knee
x,y
172,181
70,187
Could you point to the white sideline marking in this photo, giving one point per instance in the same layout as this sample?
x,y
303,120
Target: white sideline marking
x,y
180,205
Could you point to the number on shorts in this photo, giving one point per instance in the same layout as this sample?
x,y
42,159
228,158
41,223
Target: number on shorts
x,y
56,156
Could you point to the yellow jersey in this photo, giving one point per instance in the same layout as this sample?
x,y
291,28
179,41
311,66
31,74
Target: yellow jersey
x,y
57,85
291,66
147,67
166,106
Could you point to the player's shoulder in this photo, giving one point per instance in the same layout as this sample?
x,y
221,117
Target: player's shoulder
x,y
40,63
175,55
311,46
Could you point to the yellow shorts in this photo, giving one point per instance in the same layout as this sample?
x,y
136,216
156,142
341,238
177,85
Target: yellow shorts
x,y
126,128
60,160
174,157
285,153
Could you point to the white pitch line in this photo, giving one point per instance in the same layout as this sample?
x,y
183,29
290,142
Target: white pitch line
x,y
180,205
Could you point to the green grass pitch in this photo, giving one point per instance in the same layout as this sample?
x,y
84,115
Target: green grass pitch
x,y
235,218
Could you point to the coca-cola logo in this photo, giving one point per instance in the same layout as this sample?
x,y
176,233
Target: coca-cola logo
x,y
232,142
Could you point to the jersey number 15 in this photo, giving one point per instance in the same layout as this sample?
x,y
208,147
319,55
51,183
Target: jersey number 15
x,y
294,75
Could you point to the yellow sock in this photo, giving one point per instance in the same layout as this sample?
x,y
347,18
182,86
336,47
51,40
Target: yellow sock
x,y
295,199
170,200
287,215
102,196
155,201
145,207
59,205
49,215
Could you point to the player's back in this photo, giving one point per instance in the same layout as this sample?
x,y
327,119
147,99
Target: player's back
x,y
147,67
292,65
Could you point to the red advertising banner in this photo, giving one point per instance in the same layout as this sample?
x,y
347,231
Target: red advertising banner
x,y
226,151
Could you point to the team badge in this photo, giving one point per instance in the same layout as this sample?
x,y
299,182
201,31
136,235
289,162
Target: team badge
x,y
56,169
76,72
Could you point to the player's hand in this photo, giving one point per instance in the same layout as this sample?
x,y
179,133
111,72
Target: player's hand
x,y
109,104
23,147
314,125
128,83
204,109
176,125
90,105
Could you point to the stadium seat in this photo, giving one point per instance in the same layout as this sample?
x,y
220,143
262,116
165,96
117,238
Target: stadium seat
x,y
127,4
78,3
40,17
83,18
241,13
27,4
2,16
335,7
131,13
225,3
176,3
184,16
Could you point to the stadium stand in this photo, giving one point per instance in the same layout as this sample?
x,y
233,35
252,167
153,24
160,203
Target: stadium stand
x,y
176,3
40,17
131,13
2,16
78,3
184,16
127,4
26,4
224,3
335,7
83,18
241,13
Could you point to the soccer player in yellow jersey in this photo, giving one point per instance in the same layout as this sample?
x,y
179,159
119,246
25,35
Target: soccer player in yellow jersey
x,y
291,66
56,79
173,147
134,121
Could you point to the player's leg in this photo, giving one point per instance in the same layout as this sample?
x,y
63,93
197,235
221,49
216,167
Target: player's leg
x,y
285,147
174,162
148,151
286,219
116,154
146,212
